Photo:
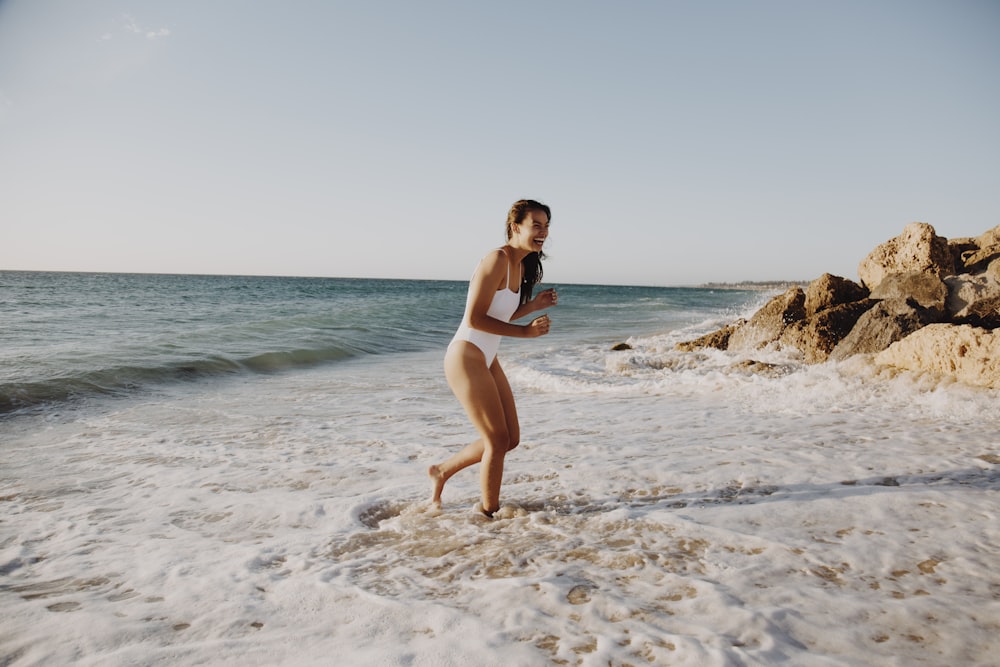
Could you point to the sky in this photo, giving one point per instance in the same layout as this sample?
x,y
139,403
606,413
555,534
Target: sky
x,y
677,142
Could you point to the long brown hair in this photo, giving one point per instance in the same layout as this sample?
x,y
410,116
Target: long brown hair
x,y
533,262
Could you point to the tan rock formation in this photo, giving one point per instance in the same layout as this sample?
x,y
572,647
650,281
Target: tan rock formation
x,y
974,300
918,314
973,255
993,270
969,354
768,323
817,336
926,289
829,290
881,326
717,339
961,249
917,249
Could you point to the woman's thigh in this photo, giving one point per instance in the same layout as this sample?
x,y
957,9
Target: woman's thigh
x,y
476,389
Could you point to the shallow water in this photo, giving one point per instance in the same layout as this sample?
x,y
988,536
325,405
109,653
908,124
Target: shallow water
x,y
663,508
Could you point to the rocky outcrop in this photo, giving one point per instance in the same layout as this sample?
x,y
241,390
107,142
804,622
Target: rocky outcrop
x,y
817,336
967,353
924,303
976,254
813,320
717,339
829,290
974,299
880,327
925,289
917,250
768,323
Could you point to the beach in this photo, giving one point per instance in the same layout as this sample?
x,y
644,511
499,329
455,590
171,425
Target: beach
x,y
265,503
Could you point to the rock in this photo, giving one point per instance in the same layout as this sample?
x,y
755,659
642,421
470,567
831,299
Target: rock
x,y
768,323
752,366
620,347
819,335
990,237
977,261
993,270
974,255
881,326
960,250
969,354
829,290
926,289
924,303
984,313
974,300
717,339
917,249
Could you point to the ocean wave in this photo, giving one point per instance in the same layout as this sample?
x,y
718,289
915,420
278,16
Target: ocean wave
x,y
768,381
121,380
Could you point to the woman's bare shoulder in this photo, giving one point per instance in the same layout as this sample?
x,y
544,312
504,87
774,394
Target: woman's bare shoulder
x,y
493,266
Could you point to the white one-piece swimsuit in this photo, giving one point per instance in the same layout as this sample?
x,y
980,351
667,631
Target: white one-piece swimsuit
x,y
505,302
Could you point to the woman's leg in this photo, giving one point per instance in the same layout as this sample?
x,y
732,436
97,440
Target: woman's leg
x,y
442,472
509,407
484,393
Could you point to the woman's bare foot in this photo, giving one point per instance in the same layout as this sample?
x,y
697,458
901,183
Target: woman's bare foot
x,y
437,485
486,513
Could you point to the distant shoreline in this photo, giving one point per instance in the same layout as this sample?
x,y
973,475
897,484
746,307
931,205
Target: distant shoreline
x,y
756,285
761,285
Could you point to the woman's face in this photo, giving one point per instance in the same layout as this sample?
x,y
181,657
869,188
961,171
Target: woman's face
x,y
531,232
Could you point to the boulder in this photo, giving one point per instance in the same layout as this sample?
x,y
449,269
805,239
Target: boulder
x,y
974,300
917,249
768,323
984,313
989,237
926,289
974,255
754,367
817,336
717,339
960,250
881,326
977,261
968,354
923,303
829,290
993,270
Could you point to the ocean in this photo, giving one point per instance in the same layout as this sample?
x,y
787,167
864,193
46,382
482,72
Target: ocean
x,y
223,470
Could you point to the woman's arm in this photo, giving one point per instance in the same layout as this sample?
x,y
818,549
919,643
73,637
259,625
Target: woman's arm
x,y
541,301
487,280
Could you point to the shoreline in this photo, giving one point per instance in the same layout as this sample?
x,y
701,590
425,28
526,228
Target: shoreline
x,y
761,285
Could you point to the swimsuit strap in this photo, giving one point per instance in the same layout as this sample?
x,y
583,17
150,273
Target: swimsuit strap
x,y
503,249
506,285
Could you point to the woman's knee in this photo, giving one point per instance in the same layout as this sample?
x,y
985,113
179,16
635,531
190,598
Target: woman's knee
x,y
513,435
500,441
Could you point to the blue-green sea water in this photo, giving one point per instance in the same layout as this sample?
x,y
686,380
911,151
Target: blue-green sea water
x,y
69,335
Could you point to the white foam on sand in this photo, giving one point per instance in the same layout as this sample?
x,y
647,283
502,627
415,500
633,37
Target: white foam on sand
x,y
656,512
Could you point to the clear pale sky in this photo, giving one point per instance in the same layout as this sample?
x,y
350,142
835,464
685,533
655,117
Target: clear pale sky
x,y
677,142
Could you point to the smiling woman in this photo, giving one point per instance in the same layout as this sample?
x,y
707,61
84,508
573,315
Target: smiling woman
x,y
473,371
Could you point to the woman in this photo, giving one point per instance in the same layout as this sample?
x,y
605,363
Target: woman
x,y
499,292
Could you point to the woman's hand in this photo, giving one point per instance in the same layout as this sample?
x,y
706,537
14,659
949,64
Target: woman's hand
x,y
546,298
538,327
